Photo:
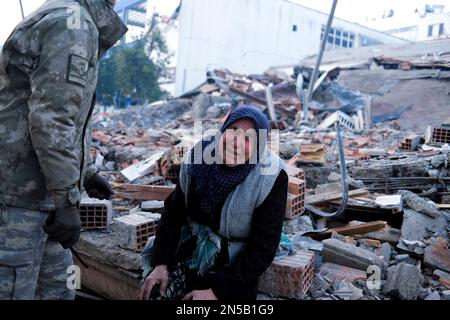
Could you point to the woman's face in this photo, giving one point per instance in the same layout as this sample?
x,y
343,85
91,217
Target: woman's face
x,y
238,143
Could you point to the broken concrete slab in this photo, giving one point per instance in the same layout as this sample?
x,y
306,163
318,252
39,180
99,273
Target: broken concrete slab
x,y
153,206
404,281
342,273
347,291
419,204
344,254
417,226
408,167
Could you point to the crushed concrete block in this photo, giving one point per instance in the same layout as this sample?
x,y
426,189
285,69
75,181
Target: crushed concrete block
x,y
345,254
417,227
319,283
404,281
439,161
133,231
409,167
357,184
419,204
385,251
342,273
289,149
290,277
347,291
153,206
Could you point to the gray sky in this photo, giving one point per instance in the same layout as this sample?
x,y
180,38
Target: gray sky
x,y
353,10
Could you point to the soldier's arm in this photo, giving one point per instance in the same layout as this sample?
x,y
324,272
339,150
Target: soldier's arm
x,y
58,91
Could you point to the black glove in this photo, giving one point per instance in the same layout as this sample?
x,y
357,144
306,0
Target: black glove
x,y
64,226
98,187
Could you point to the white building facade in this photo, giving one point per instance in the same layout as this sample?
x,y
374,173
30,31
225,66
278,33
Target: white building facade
x,y
428,23
250,36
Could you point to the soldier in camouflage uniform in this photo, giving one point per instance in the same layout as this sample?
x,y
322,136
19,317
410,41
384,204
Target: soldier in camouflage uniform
x,y
48,77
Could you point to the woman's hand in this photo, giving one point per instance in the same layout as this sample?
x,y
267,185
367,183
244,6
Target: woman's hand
x,y
201,295
160,276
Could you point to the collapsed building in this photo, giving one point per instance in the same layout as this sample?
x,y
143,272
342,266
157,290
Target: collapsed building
x,y
392,239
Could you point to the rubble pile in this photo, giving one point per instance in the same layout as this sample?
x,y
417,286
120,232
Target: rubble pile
x,y
391,242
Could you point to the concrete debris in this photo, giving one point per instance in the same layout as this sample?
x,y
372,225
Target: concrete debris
x,y
385,251
417,227
404,281
398,185
342,273
419,204
347,291
344,254
390,202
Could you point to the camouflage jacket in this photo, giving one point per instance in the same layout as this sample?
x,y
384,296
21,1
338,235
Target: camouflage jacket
x,y
48,77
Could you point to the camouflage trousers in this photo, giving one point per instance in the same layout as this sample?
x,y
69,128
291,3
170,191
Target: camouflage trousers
x,y
31,267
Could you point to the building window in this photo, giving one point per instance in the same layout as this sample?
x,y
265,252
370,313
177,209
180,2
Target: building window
x,y
366,41
338,38
430,31
441,29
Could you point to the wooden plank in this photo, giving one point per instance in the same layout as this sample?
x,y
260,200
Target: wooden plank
x,y
108,281
350,230
443,206
139,192
334,196
390,235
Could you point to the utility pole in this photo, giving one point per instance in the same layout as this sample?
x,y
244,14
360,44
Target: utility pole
x,y
21,9
315,74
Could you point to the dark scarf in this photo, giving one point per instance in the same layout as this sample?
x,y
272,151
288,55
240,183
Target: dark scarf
x,y
214,182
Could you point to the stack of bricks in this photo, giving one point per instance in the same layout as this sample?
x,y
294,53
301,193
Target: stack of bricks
x,y
95,214
411,143
441,135
297,190
290,277
296,172
133,230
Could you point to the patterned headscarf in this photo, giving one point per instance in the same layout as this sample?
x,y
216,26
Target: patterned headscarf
x,y
215,181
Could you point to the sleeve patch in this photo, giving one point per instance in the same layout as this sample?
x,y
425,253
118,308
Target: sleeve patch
x,y
78,70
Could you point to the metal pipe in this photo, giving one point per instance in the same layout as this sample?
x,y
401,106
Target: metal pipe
x,y
315,74
21,9
344,181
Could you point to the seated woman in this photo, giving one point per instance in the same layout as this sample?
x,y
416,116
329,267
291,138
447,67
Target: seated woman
x,y
222,225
